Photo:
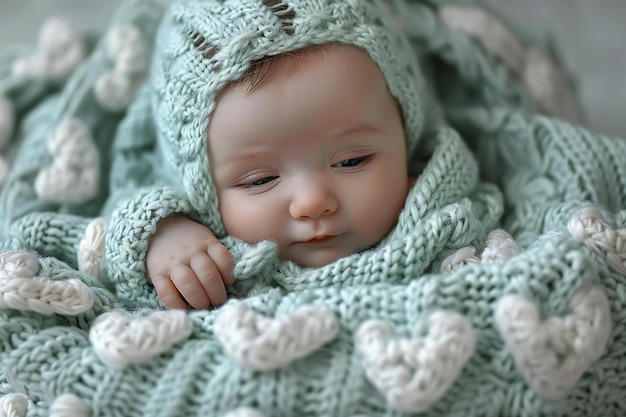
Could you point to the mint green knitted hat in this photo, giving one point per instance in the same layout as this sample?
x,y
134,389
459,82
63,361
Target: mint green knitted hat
x,y
205,44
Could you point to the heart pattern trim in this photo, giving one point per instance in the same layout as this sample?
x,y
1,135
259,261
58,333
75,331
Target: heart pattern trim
x,y
74,174
59,52
413,374
120,340
588,225
22,288
261,343
553,354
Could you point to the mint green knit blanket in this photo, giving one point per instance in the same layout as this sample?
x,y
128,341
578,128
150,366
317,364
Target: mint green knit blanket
x,y
500,292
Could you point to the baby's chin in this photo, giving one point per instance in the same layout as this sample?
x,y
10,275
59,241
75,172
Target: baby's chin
x,y
316,258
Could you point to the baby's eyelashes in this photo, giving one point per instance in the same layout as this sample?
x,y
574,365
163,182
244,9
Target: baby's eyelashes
x,y
353,162
259,182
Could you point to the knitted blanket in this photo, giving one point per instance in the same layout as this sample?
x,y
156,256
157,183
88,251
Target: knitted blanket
x,y
501,290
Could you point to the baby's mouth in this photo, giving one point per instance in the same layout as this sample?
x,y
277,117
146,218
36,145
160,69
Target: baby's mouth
x,y
320,239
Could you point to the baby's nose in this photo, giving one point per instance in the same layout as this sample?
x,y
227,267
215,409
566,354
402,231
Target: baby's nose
x,y
313,201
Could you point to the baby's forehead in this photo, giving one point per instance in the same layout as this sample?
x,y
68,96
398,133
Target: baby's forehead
x,y
269,67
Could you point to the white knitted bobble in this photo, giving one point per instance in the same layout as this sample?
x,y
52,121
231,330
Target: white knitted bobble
x,y
45,296
91,248
413,374
59,52
492,33
463,256
69,405
261,343
7,121
244,412
21,288
120,340
554,353
589,226
115,89
499,247
74,174
13,405
19,264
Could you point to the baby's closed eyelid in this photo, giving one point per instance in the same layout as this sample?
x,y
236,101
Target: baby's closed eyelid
x,y
259,181
250,175
349,161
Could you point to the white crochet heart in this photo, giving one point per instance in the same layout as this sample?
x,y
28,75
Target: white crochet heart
x,y
553,354
115,89
549,88
493,34
413,374
545,82
91,248
499,248
589,226
120,340
261,343
59,52
74,174
22,289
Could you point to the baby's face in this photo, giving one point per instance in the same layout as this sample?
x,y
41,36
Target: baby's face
x,y
314,160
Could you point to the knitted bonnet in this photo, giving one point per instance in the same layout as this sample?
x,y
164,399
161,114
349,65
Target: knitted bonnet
x,y
203,45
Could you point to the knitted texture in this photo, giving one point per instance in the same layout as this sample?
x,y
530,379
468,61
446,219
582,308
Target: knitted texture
x,y
500,291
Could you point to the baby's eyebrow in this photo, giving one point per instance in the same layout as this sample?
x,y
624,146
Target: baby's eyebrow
x,y
355,129
248,153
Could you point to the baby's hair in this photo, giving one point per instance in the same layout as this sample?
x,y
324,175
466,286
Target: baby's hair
x,y
262,70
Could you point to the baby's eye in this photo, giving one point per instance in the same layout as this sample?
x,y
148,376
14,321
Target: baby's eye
x,y
352,162
261,181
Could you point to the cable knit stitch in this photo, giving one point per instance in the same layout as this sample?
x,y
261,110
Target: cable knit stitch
x,y
500,291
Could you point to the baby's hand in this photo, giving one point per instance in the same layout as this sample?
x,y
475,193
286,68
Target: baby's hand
x,y
188,265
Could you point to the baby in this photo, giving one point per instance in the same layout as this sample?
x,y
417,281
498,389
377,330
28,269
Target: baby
x,y
307,149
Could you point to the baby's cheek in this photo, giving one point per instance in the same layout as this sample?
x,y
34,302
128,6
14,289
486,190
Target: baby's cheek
x,y
235,216
246,220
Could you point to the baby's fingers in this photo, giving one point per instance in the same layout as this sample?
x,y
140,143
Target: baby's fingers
x,y
223,260
210,278
167,292
188,285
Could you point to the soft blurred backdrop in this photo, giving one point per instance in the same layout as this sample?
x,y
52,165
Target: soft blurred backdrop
x,y
591,33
